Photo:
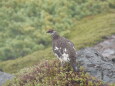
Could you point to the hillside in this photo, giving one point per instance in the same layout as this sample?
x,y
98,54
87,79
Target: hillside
x,y
25,48
86,32
23,23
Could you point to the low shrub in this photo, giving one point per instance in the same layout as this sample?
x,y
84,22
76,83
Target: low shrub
x,y
50,73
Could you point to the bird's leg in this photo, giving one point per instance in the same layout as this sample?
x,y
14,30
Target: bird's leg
x,y
74,65
62,63
75,68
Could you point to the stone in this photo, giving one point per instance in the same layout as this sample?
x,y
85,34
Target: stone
x,y
95,64
4,77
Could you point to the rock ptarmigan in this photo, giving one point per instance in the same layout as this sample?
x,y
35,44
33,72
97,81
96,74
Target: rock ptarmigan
x,y
64,49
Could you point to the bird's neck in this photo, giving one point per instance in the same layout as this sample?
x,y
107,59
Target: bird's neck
x,y
55,36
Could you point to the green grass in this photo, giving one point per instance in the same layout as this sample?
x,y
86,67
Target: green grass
x,y
90,30
86,32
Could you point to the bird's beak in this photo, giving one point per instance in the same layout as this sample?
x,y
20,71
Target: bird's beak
x,y
47,32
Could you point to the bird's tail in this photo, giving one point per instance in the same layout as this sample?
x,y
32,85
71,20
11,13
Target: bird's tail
x,y
75,65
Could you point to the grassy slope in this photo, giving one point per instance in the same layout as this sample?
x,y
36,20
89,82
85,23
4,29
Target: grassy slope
x,y
86,32
23,22
90,30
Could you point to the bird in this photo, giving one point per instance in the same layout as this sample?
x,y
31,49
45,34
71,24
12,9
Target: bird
x,y
64,49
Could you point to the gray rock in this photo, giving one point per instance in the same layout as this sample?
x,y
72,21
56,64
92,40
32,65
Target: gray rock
x,y
4,77
107,47
97,65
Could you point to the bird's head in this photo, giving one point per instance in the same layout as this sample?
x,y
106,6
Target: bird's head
x,y
51,31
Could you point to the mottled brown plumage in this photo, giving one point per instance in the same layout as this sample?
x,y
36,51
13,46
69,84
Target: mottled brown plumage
x,y
64,49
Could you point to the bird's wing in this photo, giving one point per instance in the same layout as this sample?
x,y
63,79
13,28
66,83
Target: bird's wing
x,y
70,44
62,45
57,51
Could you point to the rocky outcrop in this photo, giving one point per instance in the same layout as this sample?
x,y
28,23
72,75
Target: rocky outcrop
x,y
97,65
99,61
4,77
107,47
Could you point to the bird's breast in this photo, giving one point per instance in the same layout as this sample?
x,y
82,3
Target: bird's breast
x,y
65,57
